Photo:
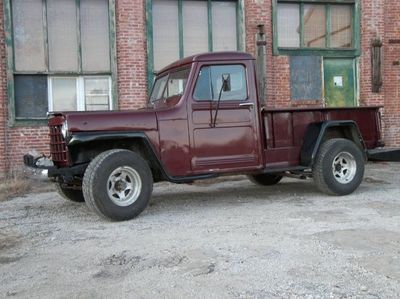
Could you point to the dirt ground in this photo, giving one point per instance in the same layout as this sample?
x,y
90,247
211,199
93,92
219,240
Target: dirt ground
x,y
229,239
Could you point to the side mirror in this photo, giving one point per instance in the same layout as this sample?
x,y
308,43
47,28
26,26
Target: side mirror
x,y
226,82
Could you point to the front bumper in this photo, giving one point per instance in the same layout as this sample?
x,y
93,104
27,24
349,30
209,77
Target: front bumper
x,y
37,168
43,168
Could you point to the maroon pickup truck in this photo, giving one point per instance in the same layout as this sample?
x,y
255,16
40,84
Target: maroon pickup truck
x,y
204,119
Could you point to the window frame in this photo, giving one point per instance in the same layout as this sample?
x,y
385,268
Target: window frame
x,y
80,90
13,120
325,52
149,33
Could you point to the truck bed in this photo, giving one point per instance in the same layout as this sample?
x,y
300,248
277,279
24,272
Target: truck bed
x,y
285,129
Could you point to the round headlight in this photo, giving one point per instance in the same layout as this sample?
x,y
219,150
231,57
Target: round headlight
x,y
64,129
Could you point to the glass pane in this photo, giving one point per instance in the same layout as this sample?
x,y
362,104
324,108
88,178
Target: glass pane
x,y
209,83
341,33
224,26
176,83
30,96
95,35
158,88
288,25
28,35
195,27
97,93
64,94
62,30
314,26
165,33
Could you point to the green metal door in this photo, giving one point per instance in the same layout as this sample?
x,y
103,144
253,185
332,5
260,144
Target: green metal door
x,y
339,82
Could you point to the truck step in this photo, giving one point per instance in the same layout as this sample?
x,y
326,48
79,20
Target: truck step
x,y
384,154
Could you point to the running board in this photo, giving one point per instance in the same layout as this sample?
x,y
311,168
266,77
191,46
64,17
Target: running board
x,y
384,154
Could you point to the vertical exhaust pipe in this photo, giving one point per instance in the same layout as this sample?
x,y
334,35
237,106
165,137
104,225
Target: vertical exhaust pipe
x,y
261,67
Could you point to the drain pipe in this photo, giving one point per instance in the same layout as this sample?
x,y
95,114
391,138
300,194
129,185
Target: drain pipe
x,y
261,66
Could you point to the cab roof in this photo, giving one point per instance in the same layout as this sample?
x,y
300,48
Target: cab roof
x,y
212,56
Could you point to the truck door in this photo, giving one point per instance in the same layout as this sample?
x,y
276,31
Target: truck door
x,y
233,142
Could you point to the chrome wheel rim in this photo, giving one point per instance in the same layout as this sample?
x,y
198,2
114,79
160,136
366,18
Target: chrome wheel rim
x,y
124,186
344,167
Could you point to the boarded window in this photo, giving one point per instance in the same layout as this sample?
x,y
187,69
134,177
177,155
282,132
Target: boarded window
x,y
165,33
288,25
341,32
30,96
28,33
224,26
95,35
204,26
318,26
195,21
63,37
314,26
306,77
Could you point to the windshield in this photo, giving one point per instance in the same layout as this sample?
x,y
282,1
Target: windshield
x,y
170,85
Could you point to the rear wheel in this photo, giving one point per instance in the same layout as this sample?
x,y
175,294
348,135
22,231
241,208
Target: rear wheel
x,y
339,167
117,184
74,195
265,179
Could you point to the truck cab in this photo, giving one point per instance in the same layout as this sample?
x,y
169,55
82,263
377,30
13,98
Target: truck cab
x,y
204,119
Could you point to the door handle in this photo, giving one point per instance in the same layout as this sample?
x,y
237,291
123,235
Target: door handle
x,y
246,105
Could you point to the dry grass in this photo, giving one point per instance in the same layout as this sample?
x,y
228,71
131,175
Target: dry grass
x,y
18,184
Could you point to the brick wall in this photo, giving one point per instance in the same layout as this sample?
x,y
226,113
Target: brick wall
x,y
391,47
3,107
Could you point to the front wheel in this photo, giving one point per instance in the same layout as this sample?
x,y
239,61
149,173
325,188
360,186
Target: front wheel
x,y
339,167
117,184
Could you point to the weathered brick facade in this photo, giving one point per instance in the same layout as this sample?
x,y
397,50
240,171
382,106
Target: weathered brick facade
x,y
379,18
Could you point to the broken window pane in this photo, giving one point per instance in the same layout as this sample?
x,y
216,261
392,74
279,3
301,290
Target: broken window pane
x,y
314,26
165,33
62,32
288,25
64,94
341,31
97,93
28,33
224,26
195,27
95,35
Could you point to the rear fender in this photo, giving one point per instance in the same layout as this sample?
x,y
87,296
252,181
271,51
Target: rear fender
x,y
318,133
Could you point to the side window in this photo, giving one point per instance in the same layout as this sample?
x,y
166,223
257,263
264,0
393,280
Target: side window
x,y
209,83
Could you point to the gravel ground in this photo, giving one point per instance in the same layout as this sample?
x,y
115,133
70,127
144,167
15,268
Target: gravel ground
x,y
227,239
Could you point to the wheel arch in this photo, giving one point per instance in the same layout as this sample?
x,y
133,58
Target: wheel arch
x,y
84,147
318,133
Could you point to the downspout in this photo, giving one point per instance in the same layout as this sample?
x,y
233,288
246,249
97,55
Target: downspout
x,y
261,66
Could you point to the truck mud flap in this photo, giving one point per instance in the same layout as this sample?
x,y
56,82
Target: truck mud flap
x,y
384,154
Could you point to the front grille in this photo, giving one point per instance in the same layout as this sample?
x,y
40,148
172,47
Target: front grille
x,y
58,147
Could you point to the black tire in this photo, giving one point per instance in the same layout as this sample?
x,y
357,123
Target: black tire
x,y
70,194
339,167
265,179
103,187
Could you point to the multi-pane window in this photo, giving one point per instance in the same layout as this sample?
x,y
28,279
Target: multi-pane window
x,y
314,25
188,27
64,45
